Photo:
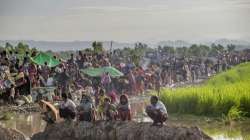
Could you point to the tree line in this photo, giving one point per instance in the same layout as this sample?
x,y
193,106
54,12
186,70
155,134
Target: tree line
x,y
136,53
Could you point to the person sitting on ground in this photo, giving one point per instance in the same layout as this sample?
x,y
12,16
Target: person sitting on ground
x,y
67,109
157,111
110,112
86,109
124,110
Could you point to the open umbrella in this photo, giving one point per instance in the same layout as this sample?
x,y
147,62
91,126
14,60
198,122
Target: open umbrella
x,y
97,72
46,104
41,58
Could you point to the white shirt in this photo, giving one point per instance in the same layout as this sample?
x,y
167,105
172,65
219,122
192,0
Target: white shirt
x,y
159,105
68,104
50,81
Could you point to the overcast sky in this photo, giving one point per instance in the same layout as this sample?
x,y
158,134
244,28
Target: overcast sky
x,y
124,20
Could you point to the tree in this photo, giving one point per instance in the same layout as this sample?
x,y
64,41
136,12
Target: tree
x,y
204,50
182,51
194,50
216,49
88,50
22,48
97,47
34,50
9,47
213,50
168,50
231,48
1,48
220,48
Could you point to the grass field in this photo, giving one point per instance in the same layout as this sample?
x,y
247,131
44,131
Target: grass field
x,y
226,94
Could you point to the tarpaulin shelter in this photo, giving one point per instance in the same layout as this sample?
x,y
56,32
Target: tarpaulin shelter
x,y
41,58
97,72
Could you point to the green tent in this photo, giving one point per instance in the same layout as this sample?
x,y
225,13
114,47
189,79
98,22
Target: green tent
x,y
41,58
97,72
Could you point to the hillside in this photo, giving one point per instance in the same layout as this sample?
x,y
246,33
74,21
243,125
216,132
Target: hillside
x,y
240,73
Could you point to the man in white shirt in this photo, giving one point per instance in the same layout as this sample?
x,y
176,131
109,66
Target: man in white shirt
x,y
50,82
67,108
157,111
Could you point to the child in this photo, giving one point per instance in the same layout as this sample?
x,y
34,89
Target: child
x,y
101,98
124,110
110,111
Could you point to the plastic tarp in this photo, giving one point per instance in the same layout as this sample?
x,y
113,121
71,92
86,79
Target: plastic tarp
x,y
97,72
41,58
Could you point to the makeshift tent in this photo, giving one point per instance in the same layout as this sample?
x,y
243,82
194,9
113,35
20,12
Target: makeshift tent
x,y
41,58
97,72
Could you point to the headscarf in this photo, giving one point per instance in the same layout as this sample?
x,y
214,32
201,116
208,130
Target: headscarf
x,y
126,105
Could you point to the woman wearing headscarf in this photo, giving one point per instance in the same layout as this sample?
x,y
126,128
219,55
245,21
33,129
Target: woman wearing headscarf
x,y
124,109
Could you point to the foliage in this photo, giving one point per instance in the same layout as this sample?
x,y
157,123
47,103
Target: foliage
x,y
231,48
20,48
194,50
133,54
182,51
97,47
168,50
225,94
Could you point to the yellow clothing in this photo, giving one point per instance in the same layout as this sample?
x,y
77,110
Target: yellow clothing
x,y
101,104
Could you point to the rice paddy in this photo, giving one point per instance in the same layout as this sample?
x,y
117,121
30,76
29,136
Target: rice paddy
x,y
225,95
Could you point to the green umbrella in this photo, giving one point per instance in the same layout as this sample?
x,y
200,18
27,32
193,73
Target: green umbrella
x,y
41,58
97,72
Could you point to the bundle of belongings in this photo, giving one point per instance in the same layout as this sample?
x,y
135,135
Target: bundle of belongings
x,y
14,88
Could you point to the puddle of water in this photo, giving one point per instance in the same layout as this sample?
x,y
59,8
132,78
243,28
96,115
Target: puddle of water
x,y
32,123
217,130
28,124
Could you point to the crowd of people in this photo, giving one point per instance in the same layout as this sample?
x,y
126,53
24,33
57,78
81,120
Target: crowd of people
x,y
98,96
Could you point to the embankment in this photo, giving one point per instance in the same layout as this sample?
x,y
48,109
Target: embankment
x,y
116,130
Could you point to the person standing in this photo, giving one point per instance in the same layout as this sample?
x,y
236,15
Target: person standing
x,y
158,82
106,81
32,74
64,80
132,82
12,94
45,71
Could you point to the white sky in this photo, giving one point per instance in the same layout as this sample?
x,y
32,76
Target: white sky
x,y
124,20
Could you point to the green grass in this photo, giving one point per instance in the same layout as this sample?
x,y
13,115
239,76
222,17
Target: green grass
x,y
226,94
